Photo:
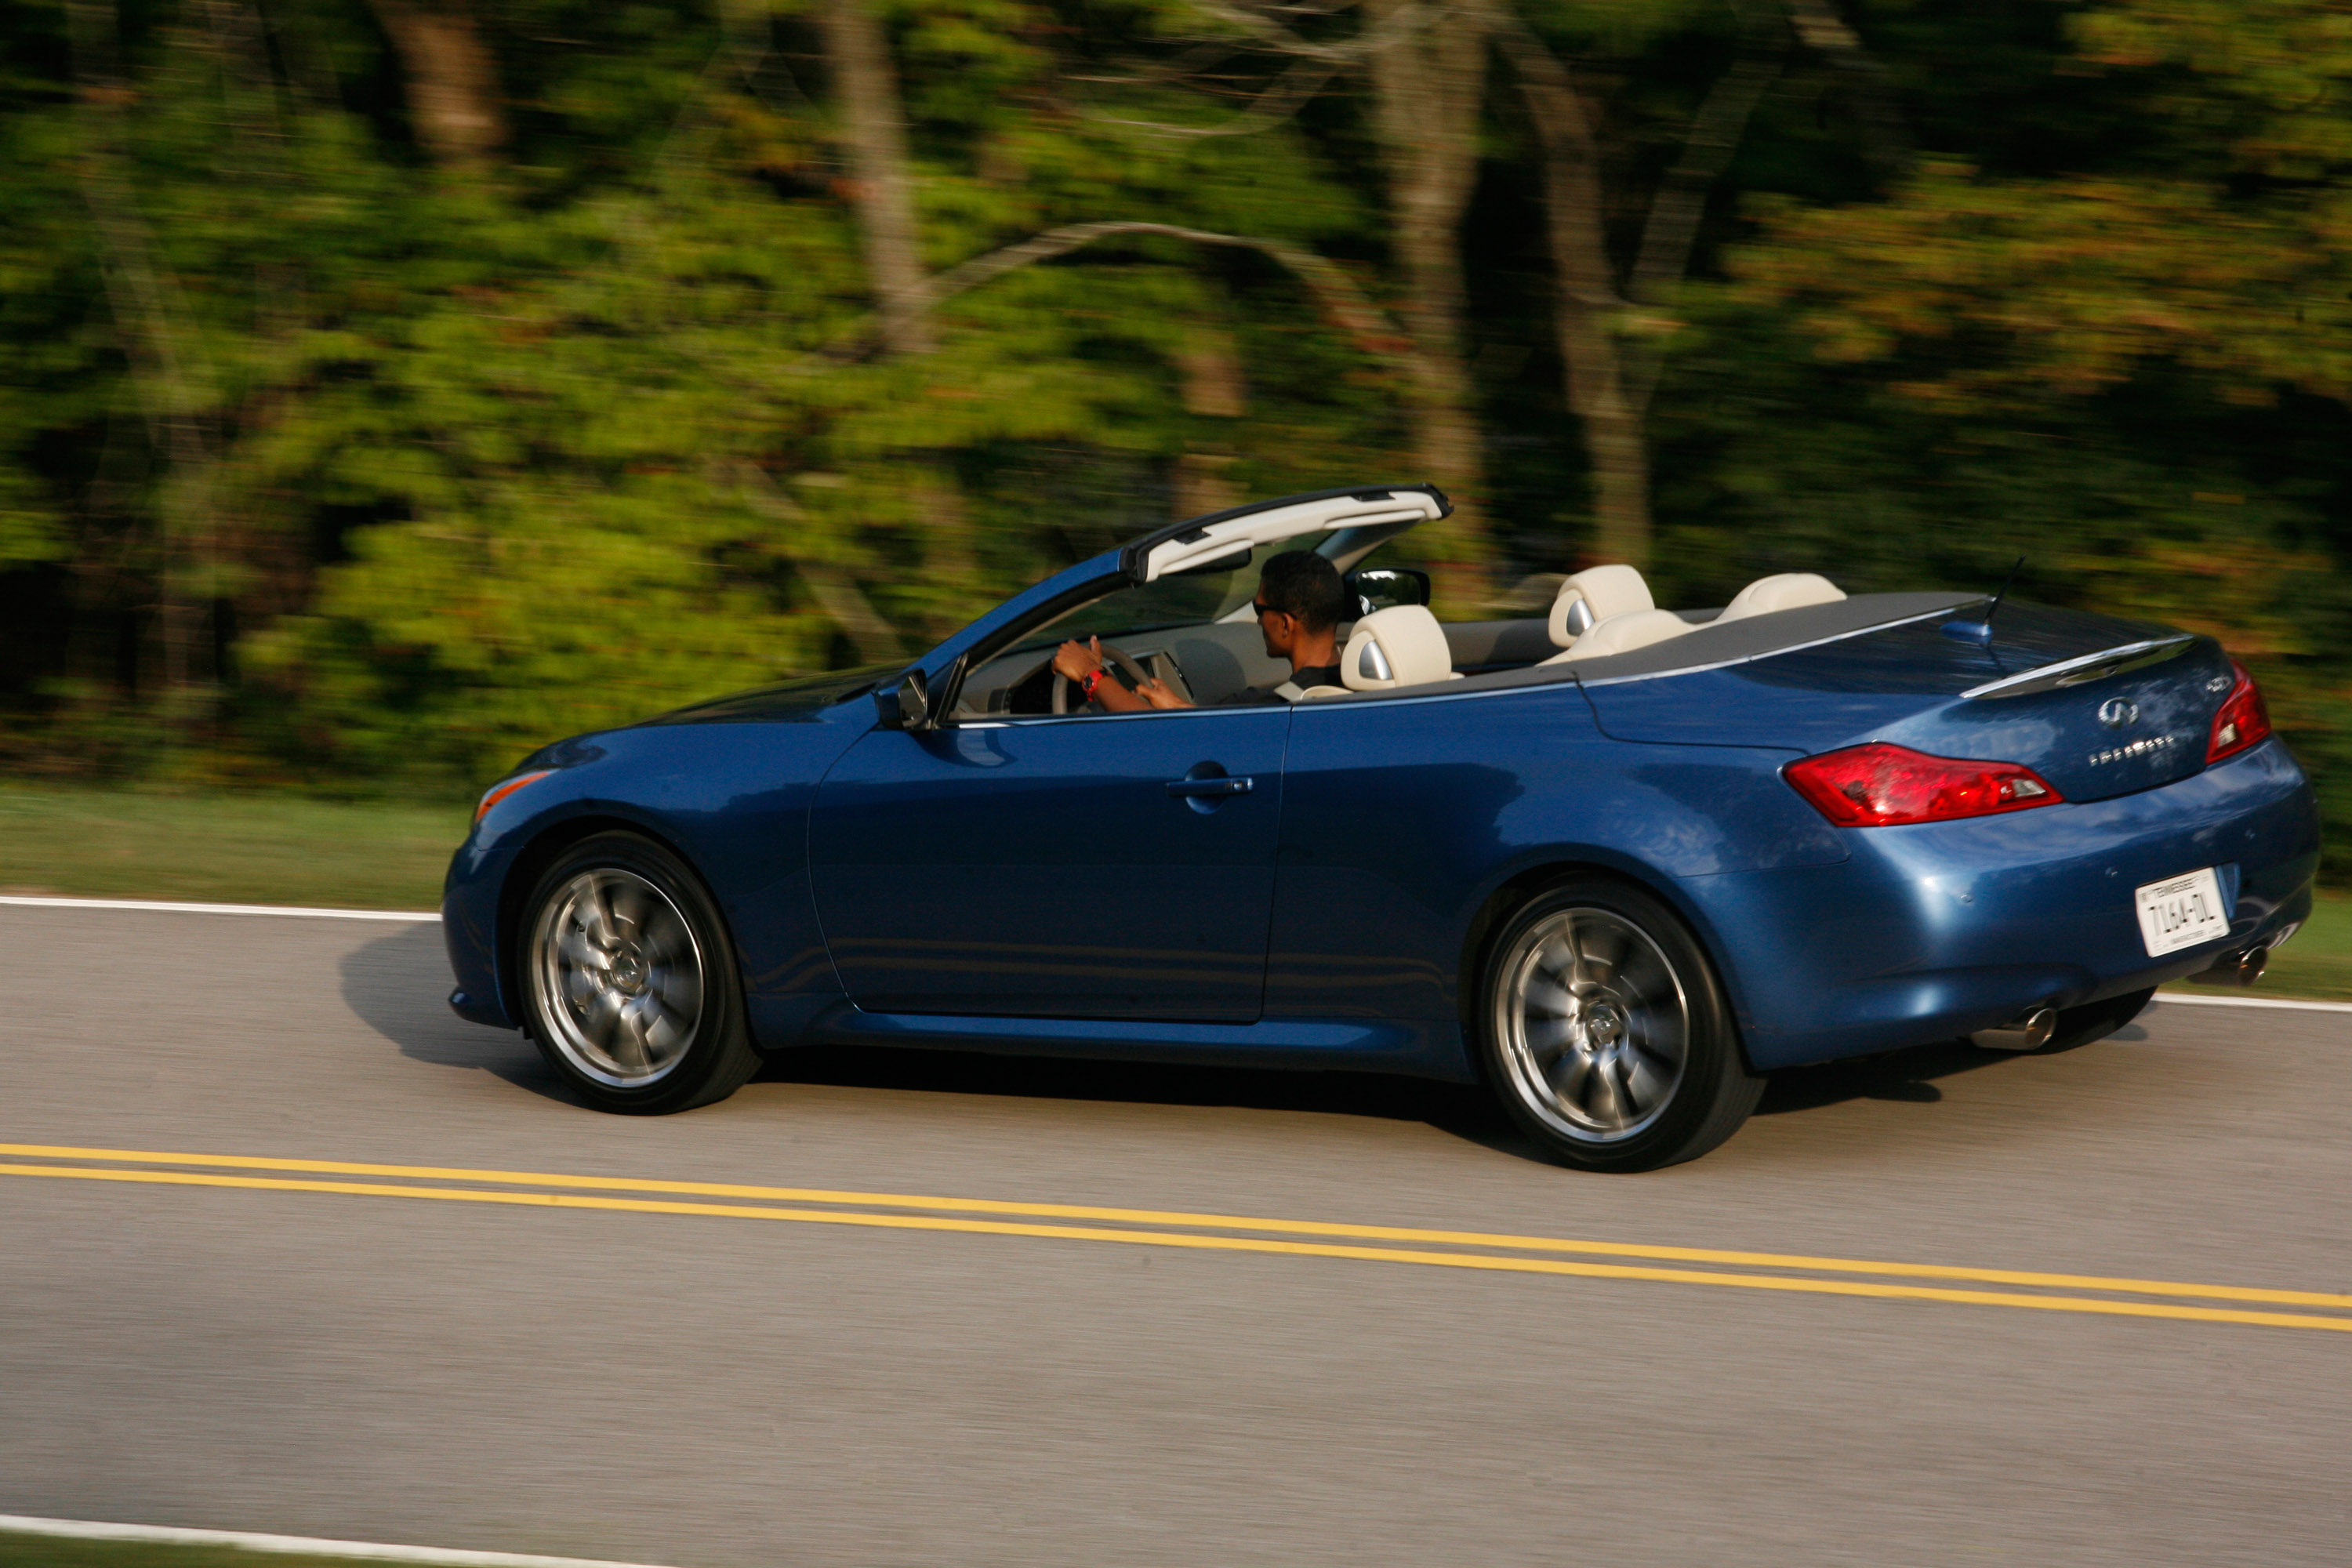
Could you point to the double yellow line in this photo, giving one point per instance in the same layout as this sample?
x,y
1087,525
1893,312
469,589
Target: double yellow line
x,y
1208,1231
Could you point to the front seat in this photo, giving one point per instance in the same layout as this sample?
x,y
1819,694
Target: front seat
x,y
1401,646
1785,590
1594,594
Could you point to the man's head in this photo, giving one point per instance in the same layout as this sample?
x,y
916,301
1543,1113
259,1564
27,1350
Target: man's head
x,y
1300,600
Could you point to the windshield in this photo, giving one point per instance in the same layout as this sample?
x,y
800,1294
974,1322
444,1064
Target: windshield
x,y
1187,599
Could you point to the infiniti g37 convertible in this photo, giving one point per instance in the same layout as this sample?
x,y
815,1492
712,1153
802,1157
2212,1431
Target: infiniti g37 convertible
x,y
1616,862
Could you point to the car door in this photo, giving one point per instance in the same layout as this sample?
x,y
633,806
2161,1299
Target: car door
x,y
1087,867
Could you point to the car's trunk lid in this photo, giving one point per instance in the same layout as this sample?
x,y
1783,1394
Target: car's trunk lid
x,y
2097,706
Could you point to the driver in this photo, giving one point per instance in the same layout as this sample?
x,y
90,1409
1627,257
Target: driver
x,y
1299,601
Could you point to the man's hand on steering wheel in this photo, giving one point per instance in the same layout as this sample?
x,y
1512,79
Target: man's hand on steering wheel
x,y
1082,665
1076,660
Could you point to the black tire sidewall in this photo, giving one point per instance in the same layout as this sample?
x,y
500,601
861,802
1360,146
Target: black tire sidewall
x,y
1716,1091
721,1056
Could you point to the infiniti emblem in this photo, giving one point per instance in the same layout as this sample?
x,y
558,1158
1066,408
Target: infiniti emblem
x,y
2116,712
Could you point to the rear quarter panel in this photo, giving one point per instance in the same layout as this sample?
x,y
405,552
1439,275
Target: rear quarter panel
x,y
1402,818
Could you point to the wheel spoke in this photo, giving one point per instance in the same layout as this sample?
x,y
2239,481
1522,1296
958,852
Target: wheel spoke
x,y
1543,997
1547,1037
1645,1085
581,953
1570,1077
1601,945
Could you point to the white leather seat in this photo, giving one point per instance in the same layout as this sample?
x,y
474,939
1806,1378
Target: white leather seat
x,y
1401,646
1624,634
1785,590
1594,594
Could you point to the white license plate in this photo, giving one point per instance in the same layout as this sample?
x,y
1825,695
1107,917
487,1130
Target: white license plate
x,y
2181,912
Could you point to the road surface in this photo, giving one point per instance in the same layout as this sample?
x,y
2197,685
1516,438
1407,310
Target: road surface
x,y
466,1353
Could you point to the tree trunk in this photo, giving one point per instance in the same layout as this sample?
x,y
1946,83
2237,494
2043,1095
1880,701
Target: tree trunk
x,y
169,374
876,129
1589,307
1428,89
1213,385
449,78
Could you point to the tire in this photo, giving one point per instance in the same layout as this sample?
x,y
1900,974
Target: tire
x,y
1605,1033
630,986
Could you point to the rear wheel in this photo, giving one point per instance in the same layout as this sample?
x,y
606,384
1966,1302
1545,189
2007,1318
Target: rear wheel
x,y
1606,1034
629,982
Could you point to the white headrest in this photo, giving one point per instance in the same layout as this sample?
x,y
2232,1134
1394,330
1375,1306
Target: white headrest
x,y
1624,634
1603,592
1787,591
1401,646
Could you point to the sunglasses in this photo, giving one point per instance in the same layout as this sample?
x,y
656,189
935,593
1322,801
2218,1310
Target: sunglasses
x,y
1265,609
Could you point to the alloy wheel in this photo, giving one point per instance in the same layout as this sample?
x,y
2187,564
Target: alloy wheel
x,y
1594,1024
620,977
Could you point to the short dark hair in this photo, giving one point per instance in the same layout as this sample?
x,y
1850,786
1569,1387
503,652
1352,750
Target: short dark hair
x,y
1301,584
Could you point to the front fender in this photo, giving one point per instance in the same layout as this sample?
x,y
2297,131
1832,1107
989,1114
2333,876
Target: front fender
x,y
731,799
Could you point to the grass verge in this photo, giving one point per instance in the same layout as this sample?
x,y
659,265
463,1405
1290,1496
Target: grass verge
x,y
2317,964
21,1550
225,849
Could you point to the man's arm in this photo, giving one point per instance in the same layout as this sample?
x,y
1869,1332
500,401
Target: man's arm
x,y
1078,660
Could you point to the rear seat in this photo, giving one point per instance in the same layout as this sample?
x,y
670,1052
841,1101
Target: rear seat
x,y
1594,594
1618,616
1786,591
1608,609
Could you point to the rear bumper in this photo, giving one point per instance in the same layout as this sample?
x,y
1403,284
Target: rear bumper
x,y
1931,931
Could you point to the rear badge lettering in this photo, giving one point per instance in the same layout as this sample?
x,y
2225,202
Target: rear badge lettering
x,y
2136,748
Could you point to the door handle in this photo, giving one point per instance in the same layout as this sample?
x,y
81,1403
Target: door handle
x,y
1197,789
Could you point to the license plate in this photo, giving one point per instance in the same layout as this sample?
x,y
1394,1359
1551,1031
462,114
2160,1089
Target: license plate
x,y
2181,912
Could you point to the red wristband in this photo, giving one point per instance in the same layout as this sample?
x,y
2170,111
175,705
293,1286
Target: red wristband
x,y
1093,679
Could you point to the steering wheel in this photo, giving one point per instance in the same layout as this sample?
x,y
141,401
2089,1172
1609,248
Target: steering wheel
x,y
1065,690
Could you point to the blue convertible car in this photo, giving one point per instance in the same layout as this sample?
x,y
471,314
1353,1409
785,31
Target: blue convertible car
x,y
1617,861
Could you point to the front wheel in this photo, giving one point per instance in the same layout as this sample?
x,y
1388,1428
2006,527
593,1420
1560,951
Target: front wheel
x,y
629,982
1605,1031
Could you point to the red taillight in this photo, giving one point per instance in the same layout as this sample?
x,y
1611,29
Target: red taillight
x,y
1879,786
499,792
2243,720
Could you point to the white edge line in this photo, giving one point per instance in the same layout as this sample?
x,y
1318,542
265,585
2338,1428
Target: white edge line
x,y
89,1530
24,902
2254,1002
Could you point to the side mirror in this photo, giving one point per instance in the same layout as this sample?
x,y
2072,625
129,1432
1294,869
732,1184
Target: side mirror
x,y
1385,587
904,703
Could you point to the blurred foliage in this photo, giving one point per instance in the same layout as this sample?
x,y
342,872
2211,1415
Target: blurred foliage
x,y
327,458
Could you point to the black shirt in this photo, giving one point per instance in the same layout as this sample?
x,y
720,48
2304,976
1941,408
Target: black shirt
x,y
1264,695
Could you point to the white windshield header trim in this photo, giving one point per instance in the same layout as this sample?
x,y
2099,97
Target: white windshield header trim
x,y
1272,527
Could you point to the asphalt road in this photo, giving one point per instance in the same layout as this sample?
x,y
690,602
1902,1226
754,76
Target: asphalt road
x,y
668,1384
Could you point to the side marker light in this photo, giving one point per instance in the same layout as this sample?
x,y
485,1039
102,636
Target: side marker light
x,y
499,792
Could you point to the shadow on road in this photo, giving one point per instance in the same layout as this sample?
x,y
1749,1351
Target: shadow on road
x,y
1464,1110
1899,1075
1907,1075
397,985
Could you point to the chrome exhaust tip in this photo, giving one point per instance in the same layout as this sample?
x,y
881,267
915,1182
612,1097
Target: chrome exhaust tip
x,y
2029,1032
2236,968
